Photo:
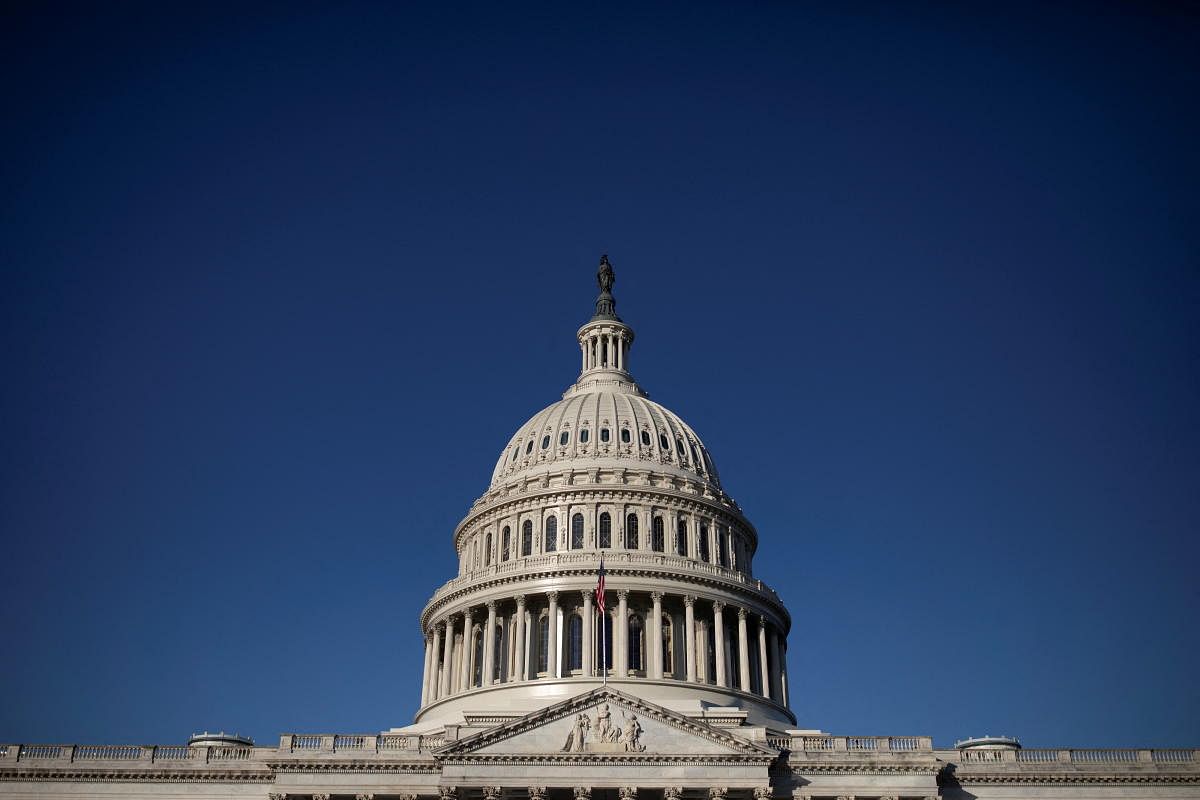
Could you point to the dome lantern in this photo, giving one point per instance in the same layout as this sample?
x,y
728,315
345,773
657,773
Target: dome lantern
x,y
605,340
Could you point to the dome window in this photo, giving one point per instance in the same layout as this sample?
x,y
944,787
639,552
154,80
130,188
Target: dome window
x,y
551,535
625,435
663,442
563,438
679,448
605,530
583,435
546,442
646,438
529,447
604,434
577,532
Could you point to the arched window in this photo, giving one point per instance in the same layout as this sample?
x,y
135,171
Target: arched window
x,y
681,546
487,550
605,642
543,641
605,530
505,544
526,538
679,447
631,532
575,642
477,656
551,534
604,434
563,438
577,532
646,438
656,535
546,441
723,546
529,447
624,435
668,647
583,435
702,545
663,442
637,631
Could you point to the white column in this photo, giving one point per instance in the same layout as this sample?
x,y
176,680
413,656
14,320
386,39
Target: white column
x,y
689,627
425,672
447,659
435,680
655,648
621,629
783,676
719,640
489,645
588,644
521,674
464,678
764,668
583,357
552,647
743,651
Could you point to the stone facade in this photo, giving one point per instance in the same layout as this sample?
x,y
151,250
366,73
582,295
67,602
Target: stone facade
x,y
671,685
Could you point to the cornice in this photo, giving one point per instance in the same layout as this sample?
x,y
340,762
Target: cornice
x,y
612,759
136,776
440,606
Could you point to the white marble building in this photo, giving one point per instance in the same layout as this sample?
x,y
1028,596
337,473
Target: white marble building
x,y
678,690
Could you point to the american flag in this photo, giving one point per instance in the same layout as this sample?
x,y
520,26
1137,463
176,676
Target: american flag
x,y
600,588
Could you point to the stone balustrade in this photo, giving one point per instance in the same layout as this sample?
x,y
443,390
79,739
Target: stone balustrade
x,y
852,744
613,559
1107,756
144,754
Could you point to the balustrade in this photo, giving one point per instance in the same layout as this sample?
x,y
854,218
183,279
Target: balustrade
x,y
107,752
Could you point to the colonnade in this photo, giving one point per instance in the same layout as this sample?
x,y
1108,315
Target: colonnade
x,y
556,635
604,348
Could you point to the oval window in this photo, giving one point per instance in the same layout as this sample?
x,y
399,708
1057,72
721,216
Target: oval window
x,y
545,441
646,438
604,434
625,435
583,435
562,438
529,447
662,442
679,447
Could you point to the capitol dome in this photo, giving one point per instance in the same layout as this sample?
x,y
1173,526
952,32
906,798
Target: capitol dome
x,y
604,476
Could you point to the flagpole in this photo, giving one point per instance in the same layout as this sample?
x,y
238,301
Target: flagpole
x,y
603,648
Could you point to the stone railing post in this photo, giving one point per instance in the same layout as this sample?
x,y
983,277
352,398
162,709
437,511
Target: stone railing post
x,y
1064,756
285,743
327,743
8,753
147,753
371,744
883,744
840,744
1145,755
1008,755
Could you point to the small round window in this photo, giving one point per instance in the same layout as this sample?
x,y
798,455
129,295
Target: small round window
x,y
545,441
625,435
604,434
662,442
562,438
583,435
646,438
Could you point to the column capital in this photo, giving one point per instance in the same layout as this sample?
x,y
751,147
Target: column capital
x,y
467,614
552,596
586,594
763,793
583,793
491,606
622,594
656,596
364,796
742,614
672,792
718,606
537,792
718,792
762,621
492,792
448,792
627,793
439,627
689,600
520,601
451,618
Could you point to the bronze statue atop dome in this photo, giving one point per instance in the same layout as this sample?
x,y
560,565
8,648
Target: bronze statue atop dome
x,y
604,275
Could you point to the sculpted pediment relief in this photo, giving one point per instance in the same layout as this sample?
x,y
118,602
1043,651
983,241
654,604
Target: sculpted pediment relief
x,y
605,723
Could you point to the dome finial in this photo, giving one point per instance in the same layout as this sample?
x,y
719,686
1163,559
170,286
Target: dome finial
x,y
606,305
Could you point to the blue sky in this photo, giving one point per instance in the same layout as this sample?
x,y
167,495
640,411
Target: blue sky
x,y
279,285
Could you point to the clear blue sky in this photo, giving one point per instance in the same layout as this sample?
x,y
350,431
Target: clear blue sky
x,y
279,285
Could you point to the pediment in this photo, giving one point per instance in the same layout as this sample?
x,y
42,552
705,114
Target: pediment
x,y
604,723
